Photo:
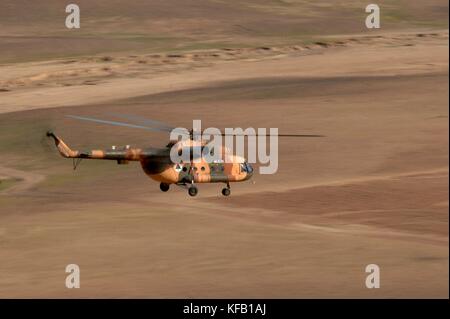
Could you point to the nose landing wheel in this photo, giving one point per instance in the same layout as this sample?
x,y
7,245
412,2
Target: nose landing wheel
x,y
164,187
226,191
193,191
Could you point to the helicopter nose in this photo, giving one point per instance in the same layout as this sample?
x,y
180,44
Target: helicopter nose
x,y
249,172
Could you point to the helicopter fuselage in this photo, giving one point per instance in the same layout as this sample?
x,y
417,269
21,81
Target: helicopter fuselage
x,y
158,165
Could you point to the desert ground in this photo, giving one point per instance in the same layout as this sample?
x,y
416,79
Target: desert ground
x,y
373,190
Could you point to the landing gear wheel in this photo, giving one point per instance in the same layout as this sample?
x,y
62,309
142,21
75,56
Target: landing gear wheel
x,y
164,187
226,191
193,191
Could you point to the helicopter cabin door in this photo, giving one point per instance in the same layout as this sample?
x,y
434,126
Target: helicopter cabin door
x,y
217,170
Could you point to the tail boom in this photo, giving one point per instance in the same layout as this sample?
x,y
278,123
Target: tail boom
x,y
129,154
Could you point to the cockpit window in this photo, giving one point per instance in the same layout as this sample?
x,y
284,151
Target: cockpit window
x,y
246,168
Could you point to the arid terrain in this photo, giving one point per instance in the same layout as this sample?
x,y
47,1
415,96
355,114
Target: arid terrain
x,y
374,190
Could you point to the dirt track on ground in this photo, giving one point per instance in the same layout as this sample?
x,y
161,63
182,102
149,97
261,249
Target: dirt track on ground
x,y
26,180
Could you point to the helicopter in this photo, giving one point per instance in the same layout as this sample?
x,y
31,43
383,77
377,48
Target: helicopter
x,y
157,163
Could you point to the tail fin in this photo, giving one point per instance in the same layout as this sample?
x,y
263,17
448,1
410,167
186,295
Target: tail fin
x,y
63,149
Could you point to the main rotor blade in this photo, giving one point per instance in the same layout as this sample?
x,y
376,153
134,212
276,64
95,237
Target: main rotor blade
x,y
91,119
165,128
300,135
279,135
145,121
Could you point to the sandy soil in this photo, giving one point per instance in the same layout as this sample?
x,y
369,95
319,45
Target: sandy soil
x,y
374,190
107,78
